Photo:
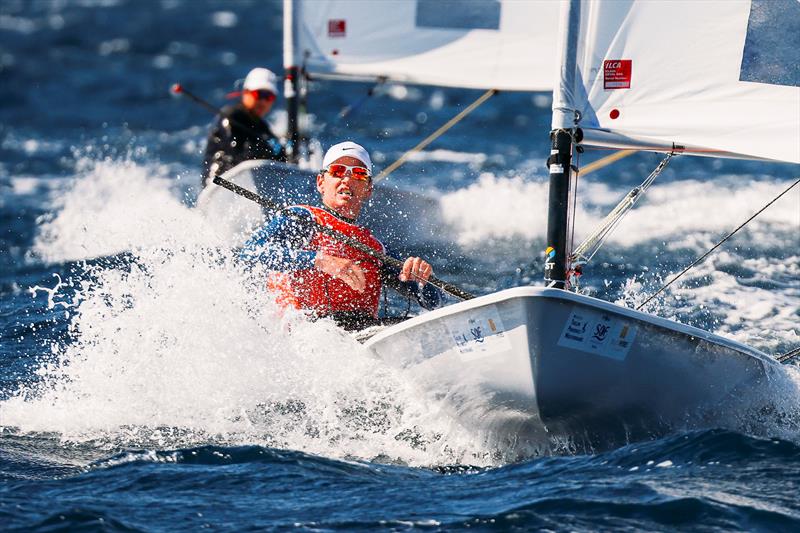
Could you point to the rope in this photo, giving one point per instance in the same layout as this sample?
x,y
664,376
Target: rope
x,y
350,108
608,224
607,160
788,356
436,134
728,236
573,274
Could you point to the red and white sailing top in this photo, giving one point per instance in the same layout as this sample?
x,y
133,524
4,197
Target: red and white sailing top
x,y
315,290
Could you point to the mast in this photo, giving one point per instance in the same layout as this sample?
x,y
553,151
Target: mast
x,y
555,266
291,75
560,160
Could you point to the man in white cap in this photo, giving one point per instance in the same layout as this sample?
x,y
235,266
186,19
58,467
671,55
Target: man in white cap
x,y
318,273
239,133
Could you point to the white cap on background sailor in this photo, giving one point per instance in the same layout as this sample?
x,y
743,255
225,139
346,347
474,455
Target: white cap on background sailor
x,y
261,79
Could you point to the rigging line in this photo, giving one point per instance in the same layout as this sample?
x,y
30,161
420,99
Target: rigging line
x,y
788,356
574,206
352,108
436,134
728,236
610,222
607,160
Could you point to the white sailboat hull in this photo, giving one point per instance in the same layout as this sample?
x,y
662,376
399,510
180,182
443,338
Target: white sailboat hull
x,y
528,361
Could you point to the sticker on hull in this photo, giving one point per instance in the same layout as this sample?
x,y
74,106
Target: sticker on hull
x,y
598,333
478,333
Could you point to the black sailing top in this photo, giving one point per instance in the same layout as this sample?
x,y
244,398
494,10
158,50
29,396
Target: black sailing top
x,y
238,135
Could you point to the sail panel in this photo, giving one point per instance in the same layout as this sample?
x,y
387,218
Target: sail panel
x,y
491,44
697,75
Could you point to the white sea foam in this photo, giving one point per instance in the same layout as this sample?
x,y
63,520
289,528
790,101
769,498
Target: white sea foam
x,y
114,206
114,46
224,19
162,61
24,185
770,410
499,207
496,207
398,91
18,24
449,156
678,211
279,122
29,146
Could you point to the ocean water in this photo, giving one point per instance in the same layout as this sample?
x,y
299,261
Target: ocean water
x,y
146,384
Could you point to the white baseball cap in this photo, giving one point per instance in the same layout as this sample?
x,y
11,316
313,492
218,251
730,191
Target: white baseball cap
x,y
347,149
261,79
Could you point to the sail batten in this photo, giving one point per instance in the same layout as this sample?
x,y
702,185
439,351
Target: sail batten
x,y
699,75
492,44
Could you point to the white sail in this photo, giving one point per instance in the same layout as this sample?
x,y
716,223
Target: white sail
x,y
488,44
710,77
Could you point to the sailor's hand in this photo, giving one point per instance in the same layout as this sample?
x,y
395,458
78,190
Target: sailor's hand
x,y
416,269
343,269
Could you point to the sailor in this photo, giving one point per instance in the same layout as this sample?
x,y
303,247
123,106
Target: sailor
x,y
317,272
239,133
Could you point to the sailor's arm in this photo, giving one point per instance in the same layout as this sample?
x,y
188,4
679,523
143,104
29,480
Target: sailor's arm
x,y
342,268
279,245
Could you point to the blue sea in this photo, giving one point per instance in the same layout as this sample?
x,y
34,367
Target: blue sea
x,y
146,384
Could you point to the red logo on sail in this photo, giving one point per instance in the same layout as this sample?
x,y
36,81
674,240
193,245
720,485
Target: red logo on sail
x,y
337,28
617,73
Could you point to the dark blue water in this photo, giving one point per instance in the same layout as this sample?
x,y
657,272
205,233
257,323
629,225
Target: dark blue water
x,y
703,487
153,391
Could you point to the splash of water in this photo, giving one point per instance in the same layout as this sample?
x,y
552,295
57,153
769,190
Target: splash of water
x,y
686,213
113,206
494,208
185,346
51,293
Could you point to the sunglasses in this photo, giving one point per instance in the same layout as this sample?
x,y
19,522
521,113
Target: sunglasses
x,y
263,94
339,171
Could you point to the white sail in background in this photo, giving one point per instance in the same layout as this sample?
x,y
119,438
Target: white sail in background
x,y
487,44
714,77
